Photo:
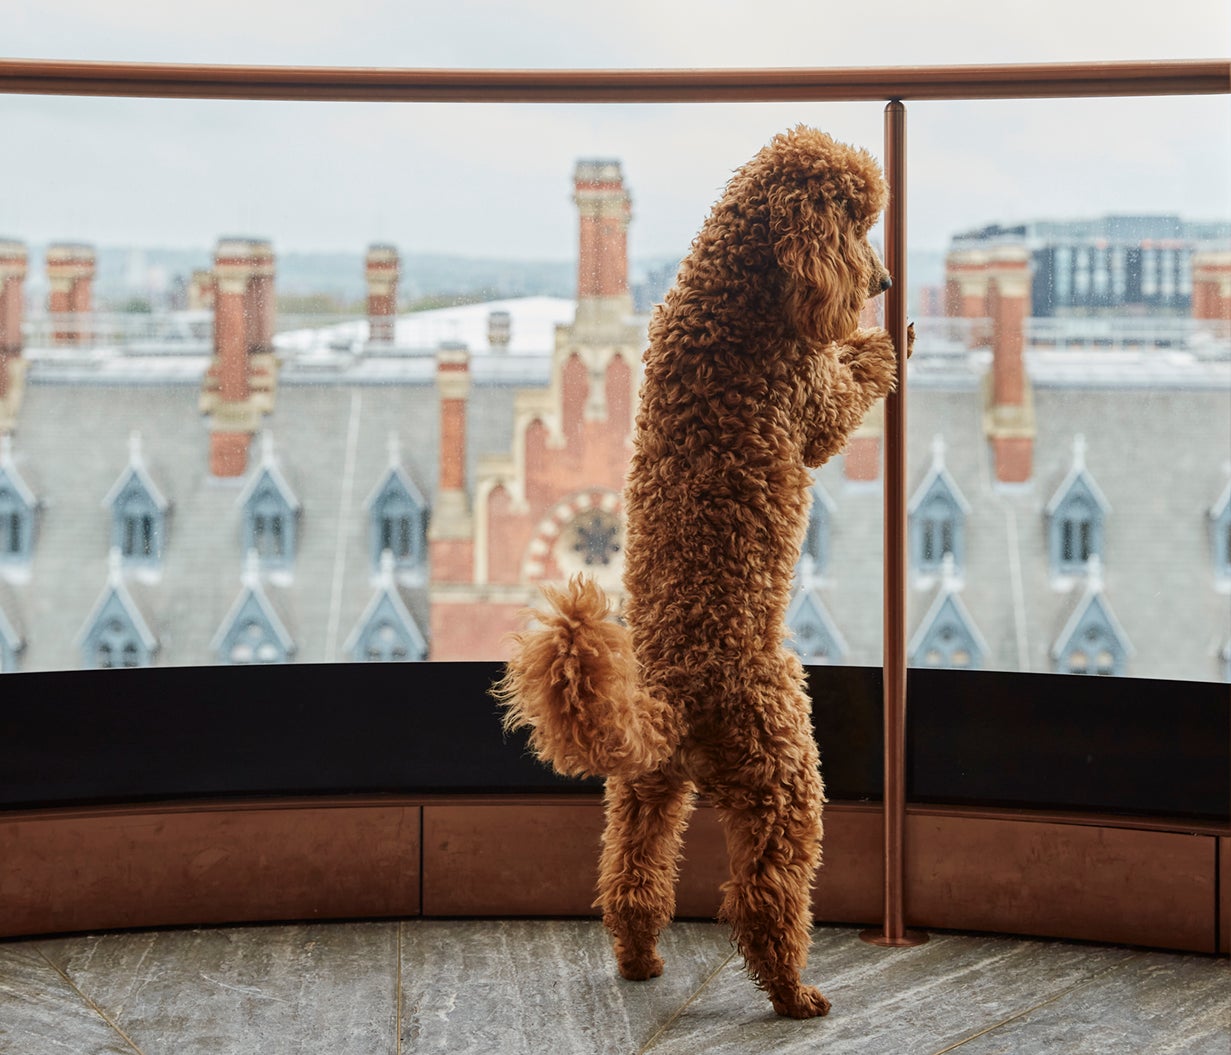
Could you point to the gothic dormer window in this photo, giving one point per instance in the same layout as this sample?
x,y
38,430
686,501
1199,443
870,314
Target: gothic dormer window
x,y
1075,518
12,642
253,631
138,510
397,517
1092,641
947,636
387,632
270,513
117,632
1220,535
937,514
18,509
815,637
814,554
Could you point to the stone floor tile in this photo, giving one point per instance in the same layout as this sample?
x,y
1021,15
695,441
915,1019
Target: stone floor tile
x,y
914,1001
542,986
41,1013
274,990
1156,1003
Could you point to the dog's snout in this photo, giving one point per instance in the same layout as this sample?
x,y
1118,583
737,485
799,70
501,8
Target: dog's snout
x,y
885,282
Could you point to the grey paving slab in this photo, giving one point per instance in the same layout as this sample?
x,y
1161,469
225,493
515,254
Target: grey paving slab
x,y
42,1014
916,1001
273,990
542,986
1155,1003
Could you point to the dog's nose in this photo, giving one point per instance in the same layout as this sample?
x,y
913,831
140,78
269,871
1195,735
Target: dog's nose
x,y
886,282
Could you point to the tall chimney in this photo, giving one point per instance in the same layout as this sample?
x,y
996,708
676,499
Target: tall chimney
x,y
1212,284
381,269
966,287
12,366
604,208
451,534
1009,404
70,274
239,386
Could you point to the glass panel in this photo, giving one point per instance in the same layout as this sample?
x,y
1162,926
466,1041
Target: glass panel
x,y
275,229
1074,350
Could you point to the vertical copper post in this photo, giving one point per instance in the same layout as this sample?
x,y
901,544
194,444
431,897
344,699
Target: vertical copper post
x,y
894,932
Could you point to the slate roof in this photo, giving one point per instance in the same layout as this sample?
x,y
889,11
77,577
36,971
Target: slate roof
x,y
1157,451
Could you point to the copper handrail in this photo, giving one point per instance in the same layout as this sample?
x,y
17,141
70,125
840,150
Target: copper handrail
x,y
1020,81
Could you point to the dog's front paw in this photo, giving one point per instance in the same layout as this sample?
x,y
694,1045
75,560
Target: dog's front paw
x,y
910,339
804,1001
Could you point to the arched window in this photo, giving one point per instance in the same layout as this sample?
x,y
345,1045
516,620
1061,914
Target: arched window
x,y
139,511
937,515
815,552
16,523
269,522
269,526
398,521
1076,516
137,525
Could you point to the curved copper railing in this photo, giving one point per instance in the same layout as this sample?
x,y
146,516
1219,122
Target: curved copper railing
x,y
892,84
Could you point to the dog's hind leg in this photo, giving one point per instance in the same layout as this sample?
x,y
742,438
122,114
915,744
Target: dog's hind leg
x,y
773,837
646,818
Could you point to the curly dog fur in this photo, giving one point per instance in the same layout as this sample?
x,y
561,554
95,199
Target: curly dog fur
x,y
756,370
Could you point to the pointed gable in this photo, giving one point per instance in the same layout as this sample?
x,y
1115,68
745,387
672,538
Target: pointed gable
x,y
947,635
815,637
254,630
12,637
387,631
117,632
1092,640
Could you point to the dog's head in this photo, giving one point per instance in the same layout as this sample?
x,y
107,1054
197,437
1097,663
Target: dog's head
x,y
822,199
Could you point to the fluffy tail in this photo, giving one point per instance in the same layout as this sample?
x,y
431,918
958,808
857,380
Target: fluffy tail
x,y
574,682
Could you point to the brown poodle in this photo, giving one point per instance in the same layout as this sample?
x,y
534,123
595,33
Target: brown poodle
x,y
756,370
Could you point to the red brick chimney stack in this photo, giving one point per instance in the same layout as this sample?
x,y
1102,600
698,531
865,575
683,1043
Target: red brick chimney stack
x,y
70,273
1009,415
239,385
452,529
1212,284
966,286
12,366
381,269
604,208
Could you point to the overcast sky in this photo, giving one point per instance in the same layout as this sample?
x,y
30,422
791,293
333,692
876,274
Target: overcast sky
x,y
496,180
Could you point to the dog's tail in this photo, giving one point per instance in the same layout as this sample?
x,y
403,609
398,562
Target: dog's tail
x,y
574,682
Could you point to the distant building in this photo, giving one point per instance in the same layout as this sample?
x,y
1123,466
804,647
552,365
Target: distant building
x,y
398,487
1123,265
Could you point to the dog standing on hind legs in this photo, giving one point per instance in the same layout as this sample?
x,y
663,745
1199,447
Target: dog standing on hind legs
x,y
756,371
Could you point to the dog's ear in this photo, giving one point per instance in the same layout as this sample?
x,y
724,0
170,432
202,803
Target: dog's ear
x,y
816,245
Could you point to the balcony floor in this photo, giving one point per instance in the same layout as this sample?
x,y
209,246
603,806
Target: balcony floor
x,y
548,986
